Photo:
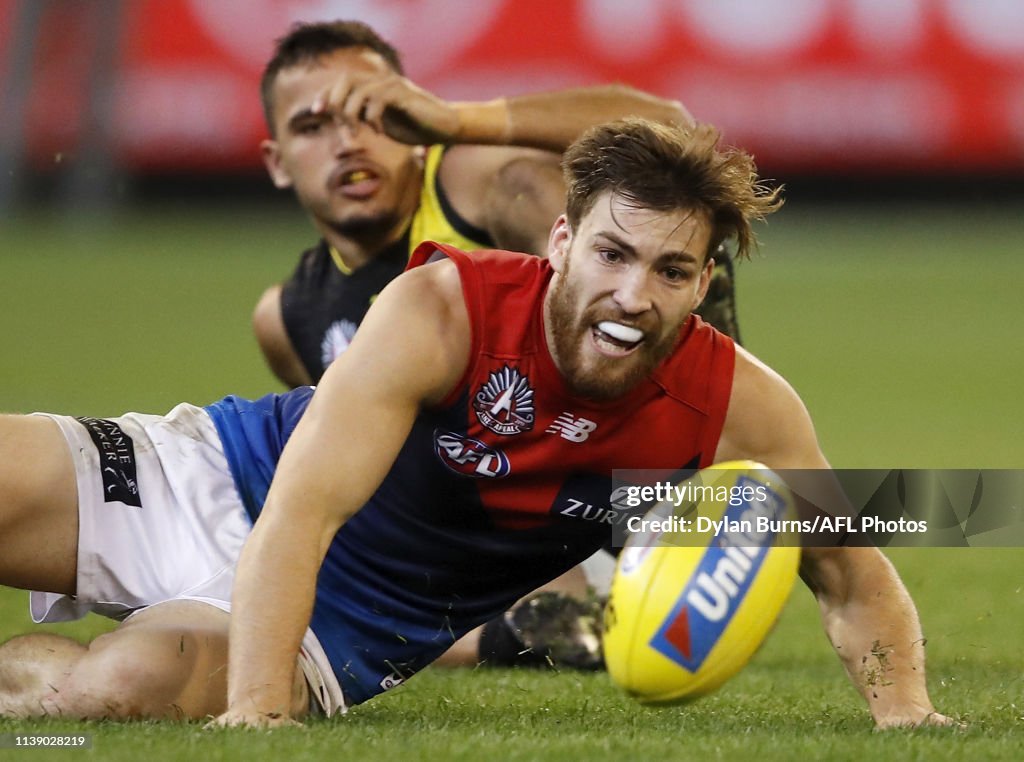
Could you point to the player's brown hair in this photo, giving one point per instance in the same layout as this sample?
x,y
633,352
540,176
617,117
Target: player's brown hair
x,y
305,42
666,167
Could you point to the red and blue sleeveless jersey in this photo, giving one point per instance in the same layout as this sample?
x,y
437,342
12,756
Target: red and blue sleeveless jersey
x,y
499,489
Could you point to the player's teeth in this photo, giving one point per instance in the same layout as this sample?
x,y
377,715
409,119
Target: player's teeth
x,y
358,176
620,332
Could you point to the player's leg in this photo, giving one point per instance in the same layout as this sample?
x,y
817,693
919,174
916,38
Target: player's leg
x,y
523,635
30,667
168,661
38,506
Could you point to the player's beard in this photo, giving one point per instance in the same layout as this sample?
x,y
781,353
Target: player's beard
x,y
606,378
368,227
383,216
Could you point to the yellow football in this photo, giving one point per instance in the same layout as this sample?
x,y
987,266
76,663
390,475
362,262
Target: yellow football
x,y
700,583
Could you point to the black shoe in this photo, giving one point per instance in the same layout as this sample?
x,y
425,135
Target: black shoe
x,y
719,306
548,629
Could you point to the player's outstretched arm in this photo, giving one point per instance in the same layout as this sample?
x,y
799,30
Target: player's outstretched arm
x,y
504,174
871,621
867,613
507,180
391,103
552,121
410,351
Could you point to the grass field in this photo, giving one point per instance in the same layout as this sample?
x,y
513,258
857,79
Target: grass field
x,y
901,327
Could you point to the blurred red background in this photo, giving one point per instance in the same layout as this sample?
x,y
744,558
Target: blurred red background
x,y
810,86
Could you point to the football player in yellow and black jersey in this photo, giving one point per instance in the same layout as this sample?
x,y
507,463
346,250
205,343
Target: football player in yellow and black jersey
x,y
380,165
324,301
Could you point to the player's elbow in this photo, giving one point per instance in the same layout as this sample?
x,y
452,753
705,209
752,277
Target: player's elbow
x,y
843,576
266,317
272,337
823,571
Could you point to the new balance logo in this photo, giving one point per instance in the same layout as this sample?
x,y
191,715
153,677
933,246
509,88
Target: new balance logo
x,y
573,429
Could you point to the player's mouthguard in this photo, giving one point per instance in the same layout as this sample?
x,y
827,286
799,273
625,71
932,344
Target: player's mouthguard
x,y
350,178
619,332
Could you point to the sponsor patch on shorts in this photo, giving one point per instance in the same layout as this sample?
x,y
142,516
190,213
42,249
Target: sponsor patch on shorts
x,y
117,461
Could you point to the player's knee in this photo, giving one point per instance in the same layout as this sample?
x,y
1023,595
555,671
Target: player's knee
x,y
107,684
33,671
124,677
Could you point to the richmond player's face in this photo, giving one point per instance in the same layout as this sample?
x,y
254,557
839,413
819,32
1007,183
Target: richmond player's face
x,y
352,180
626,280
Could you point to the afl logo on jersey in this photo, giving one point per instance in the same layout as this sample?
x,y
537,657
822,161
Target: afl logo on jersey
x,y
469,457
505,403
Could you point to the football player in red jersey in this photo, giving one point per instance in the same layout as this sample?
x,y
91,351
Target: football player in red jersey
x,y
380,164
488,350
630,265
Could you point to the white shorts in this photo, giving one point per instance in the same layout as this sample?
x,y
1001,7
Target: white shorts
x,y
160,519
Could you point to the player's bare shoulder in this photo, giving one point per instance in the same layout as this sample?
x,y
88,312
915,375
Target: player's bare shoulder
x,y
421,317
431,291
435,289
766,420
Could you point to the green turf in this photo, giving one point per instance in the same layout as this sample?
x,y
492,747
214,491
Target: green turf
x,y
900,327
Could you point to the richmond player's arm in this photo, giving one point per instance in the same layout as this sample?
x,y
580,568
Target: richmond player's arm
x,y
866,611
502,169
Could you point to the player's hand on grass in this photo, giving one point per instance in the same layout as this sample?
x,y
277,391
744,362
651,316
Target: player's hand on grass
x,y
259,720
391,104
918,720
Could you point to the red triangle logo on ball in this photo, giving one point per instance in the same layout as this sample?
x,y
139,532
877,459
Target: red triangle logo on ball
x,y
678,634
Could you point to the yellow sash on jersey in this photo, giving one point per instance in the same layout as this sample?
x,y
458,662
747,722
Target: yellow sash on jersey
x,y
429,223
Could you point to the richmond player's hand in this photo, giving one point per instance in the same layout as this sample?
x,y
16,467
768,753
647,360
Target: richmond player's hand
x,y
391,104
